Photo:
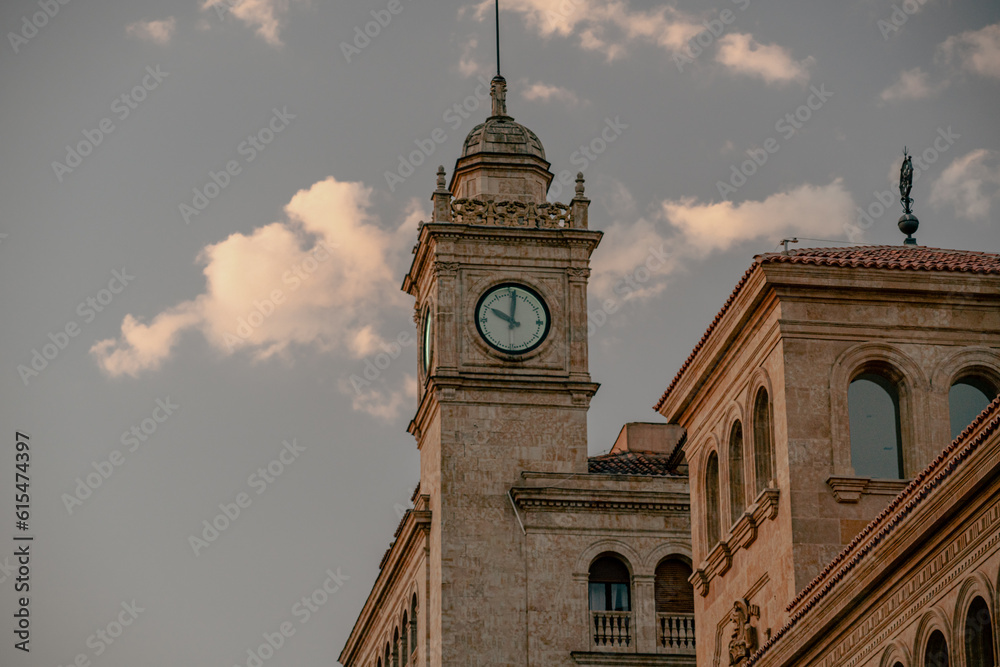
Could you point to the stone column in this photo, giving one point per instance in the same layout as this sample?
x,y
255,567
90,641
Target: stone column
x,y
644,612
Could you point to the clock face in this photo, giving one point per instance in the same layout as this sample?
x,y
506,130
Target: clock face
x,y
427,340
512,318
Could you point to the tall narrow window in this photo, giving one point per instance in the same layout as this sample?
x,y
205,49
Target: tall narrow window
x,y
876,447
979,651
967,398
712,522
763,441
413,623
609,585
405,645
674,593
936,653
737,499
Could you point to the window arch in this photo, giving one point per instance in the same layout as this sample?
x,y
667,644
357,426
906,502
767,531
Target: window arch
x,y
608,585
979,650
712,523
969,395
673,592
737,495
876,442
388,655
763,440
396,657
936,653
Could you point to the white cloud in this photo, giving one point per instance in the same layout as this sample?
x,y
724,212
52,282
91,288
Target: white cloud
x,y
742,54
970,183
264,15
913,84
606,26
384,403
467,63
637,258
321,279
544,92
717,227
976,50
159,32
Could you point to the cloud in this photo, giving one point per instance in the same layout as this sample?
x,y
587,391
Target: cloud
x,y
467,63
913,84
606,26
717,227
638,257
742,54
159,32
264,15
320,279
970,183
976,50
383,403
543,92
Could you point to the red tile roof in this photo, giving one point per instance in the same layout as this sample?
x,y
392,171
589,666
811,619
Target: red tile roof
x,y
630,463
912,258
933,476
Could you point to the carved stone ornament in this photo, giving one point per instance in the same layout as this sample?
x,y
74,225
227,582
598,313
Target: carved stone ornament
x,y
446,268
743,642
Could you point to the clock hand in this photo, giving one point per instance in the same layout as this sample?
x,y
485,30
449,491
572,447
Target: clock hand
x,y
501,315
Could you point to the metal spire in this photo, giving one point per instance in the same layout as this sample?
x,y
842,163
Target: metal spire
x,y
497,13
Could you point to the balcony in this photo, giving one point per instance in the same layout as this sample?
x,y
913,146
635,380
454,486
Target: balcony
x,y
675,634
612,631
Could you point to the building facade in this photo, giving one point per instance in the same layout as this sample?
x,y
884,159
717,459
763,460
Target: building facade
x,y
811,416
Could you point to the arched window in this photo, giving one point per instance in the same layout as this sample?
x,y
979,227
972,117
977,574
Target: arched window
x,y
936,654
979,651
876,446
395,648
737,499
763,441
413,623
967,398
404,645
674,593
609,585
712,523
388,656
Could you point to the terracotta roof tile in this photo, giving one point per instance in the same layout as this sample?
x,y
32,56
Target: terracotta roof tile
x,y
630,463
930,478
911,258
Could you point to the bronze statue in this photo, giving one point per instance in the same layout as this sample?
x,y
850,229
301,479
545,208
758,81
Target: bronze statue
x,y
906,182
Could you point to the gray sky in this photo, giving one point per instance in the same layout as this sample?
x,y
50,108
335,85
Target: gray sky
x,y
251,306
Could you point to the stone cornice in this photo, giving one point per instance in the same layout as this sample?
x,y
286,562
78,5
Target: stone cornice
x,y
632,659
549,499
850,489
411,539
741,536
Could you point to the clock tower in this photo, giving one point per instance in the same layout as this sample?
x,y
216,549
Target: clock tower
x,y
499,276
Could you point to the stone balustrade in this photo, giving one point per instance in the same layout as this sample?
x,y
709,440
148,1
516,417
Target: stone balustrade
x,y
675,633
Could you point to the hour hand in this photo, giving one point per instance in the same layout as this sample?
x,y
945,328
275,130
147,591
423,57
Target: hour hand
x,y
506,318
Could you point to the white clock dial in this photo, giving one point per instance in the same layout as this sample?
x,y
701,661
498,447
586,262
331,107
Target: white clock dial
x,y
512,318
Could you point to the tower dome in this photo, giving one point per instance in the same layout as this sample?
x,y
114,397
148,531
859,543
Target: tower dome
x,y
501,159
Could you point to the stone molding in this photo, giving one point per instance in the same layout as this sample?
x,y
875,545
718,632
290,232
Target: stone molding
x,y
590,500
511,213
850,489
631,659
741,535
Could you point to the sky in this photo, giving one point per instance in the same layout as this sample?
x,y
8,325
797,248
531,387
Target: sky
x,y
208,208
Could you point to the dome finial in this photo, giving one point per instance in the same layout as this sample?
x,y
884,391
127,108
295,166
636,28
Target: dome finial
x,y
908,222
498,91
